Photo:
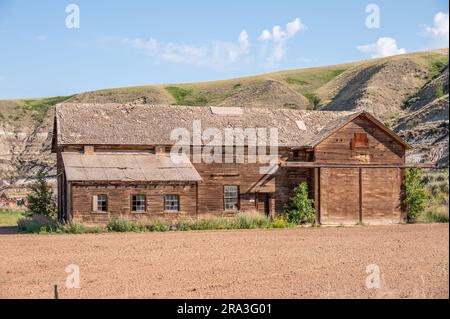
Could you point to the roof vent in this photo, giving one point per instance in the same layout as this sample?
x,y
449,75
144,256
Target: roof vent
x,y
226,111
301,125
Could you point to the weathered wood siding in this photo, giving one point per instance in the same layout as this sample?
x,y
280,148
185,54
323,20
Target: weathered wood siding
x,y
339,195
119,202
369,195
383,149
251,184
381,195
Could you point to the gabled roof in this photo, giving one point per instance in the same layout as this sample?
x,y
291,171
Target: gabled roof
x,y
131,124
128,168
325,133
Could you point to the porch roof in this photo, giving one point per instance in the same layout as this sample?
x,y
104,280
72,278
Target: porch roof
x,y
128,168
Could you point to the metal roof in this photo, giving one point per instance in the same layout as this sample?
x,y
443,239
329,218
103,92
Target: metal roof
x,y
128,168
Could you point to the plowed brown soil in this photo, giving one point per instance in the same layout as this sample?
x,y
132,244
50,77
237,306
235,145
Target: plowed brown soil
x,y
297,263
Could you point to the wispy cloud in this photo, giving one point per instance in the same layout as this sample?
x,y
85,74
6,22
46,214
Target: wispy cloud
x,y
277,39
41,37
438,33
385,46
220,54
213,54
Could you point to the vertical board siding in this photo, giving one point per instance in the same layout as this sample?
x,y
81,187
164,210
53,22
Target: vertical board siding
x,y
339,195
381,195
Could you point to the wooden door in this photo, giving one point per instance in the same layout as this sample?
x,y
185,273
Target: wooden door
x,y
381,195
339,195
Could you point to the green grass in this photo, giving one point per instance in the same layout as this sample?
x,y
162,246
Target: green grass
x,y
9,217
436,187
436,217
436,64
250,220
314,100
440,90
186,96
37,108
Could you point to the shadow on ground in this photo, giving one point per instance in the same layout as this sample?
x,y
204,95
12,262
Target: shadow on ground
x,y
8,230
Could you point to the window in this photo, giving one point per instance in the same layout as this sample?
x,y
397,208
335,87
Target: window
x,y
138,203
172,202
231,197
360,140
100,203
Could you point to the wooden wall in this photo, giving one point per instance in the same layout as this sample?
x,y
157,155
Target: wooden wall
x,y
119,205
381,195
367,195
339,195
383,149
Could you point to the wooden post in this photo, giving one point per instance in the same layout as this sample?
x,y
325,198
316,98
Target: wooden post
x,y
360,195
317,193
55,289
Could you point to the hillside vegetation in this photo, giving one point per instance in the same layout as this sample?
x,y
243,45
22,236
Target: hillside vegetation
x,y
409,92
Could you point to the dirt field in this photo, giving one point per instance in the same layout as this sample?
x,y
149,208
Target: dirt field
x,y
296,263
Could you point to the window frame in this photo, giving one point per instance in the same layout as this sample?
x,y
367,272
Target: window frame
x,y
360,141
178,203
96,197
145,204
238,198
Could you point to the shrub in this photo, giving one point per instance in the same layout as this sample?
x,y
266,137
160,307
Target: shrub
x,y
124,225
250,221
41,200
74,228
440,91
299,209
159,226
183,226
280,222
37,224
209,224
415,194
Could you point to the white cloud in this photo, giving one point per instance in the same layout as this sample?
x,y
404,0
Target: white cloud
x,y
211,54
385,46
220,54
438,33
265,35
277,40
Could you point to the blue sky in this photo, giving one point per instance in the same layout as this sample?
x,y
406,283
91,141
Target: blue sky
x,y
126,43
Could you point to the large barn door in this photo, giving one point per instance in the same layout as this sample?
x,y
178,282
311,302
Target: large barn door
x,y
339,195
381,195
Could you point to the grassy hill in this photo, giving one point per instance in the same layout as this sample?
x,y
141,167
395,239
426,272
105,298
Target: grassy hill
x,y
388,87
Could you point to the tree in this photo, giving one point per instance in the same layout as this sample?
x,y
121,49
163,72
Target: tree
x,y
415,194
41,200
299,209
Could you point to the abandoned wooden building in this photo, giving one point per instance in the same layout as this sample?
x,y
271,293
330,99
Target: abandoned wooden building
x,y
113,160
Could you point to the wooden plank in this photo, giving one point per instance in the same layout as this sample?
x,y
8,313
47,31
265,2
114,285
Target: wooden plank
x,y
360,195
316,193
339,200
381,195
343,165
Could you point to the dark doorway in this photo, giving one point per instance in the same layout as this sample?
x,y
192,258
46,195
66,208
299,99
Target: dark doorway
x,y
263,203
